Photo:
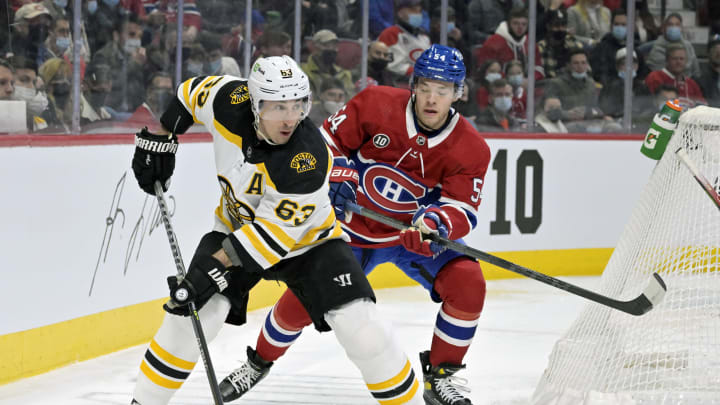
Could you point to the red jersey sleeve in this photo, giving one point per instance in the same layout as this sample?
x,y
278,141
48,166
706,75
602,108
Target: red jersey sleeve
x,y
461,189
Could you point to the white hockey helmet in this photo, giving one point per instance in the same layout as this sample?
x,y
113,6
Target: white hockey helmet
x,y
278,78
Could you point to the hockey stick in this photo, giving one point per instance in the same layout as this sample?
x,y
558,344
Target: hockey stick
x,y
197,327
651,297
702,181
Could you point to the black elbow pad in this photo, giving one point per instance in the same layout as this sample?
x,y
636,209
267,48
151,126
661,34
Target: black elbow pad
x,y
176,119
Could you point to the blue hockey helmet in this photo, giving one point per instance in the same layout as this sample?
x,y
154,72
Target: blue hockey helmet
x,y
440,62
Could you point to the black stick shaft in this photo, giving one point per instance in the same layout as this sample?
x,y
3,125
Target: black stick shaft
x,y
194,318
637,306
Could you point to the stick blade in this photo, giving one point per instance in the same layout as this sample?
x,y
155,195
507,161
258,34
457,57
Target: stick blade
x,y
651,297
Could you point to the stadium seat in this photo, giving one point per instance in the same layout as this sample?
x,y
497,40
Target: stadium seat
x,y
349,53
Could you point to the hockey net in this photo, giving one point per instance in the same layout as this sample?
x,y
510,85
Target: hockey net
x,y
670,355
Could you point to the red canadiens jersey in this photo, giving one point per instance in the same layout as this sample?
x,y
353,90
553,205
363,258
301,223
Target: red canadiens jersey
x,y
402,169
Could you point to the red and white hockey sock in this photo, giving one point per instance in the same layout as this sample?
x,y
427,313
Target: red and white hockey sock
x,y
282,327
454,331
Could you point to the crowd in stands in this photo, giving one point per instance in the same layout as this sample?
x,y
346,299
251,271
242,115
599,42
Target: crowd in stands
x,y
127,53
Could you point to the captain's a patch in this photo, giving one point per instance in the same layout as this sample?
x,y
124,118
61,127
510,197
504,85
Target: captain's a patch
x,y
239,95
303,162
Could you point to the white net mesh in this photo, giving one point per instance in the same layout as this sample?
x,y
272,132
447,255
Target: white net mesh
x,y
670,355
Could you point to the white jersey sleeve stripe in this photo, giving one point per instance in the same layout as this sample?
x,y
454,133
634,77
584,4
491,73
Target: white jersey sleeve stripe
x,y
467,207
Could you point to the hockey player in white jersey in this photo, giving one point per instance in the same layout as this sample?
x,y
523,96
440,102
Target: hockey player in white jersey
x,y
275,221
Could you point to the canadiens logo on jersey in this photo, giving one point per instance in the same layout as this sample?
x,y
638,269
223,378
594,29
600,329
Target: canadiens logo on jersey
x,y
239,95
286,73
392,189
240,212
303,162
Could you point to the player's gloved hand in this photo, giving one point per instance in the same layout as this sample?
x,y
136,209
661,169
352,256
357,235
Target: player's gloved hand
x,y
154,159
343,183
205,277
427,220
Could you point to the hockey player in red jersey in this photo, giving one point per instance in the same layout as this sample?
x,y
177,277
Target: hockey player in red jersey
x,y
410,156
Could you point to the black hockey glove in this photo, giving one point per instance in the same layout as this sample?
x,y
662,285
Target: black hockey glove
x,y
205,277
154,159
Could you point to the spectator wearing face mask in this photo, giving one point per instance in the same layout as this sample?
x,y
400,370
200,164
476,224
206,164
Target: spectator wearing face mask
x,y
557,45
58,43
332,97
30,29
673,74
57,74
27,89
488,72
549,119
577,89
612,95
379,56
589,20
514,74
497,118
126,58
217,62
321,62
509,42
97,86
604,71
406,38
709,79
160,91
672,34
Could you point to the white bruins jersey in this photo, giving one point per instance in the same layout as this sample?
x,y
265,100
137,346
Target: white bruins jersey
x,y
274,201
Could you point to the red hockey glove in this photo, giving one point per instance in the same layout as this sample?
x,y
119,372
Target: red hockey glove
x,y
430,220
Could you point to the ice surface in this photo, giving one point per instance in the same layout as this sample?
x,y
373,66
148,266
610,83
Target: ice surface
x,y
521,321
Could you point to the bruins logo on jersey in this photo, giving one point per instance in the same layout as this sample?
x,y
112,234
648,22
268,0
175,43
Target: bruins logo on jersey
x,y
286,73
303,162
239,95
239,211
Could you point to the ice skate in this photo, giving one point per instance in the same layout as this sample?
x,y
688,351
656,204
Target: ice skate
x,y
244,378
441,386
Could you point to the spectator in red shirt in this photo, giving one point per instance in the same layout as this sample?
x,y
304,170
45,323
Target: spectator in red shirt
x,y
510,43
673,74
488,72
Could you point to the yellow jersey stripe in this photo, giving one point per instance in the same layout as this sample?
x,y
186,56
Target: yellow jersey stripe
x,y
330,161
311,234
259,246
229,136
186,92
261,167
400,377
221,217
193,100
158,379
402,399
277,232
169,358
